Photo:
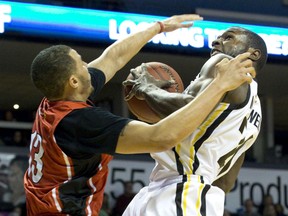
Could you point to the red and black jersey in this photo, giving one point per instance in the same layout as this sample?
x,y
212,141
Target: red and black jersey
x,y
71,145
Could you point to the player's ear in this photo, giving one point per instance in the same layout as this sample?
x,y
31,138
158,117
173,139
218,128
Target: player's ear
x,y
255,54
73,81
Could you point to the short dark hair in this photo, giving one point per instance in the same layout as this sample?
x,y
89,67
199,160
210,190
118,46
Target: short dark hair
x,y
256,41
51,68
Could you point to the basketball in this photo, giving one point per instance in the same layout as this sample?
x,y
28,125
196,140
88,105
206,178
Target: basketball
x,y
161,71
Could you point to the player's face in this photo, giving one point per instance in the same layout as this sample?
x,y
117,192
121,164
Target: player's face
x,y
232,42
82,74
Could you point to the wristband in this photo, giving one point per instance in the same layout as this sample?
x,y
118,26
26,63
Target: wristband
x,y
161,26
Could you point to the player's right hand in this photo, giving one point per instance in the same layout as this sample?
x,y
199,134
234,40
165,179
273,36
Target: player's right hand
x,y
234,72
180,21
142,82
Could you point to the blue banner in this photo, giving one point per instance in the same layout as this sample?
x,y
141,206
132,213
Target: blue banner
x,y
46,21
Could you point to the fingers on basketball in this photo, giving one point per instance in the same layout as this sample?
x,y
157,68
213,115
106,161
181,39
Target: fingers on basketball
x,y
161,71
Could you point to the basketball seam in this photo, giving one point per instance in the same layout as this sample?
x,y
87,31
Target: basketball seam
x,y
169,73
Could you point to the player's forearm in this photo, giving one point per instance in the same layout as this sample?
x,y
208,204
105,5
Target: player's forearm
x,y
172,130
122,51
165,103
139,137
191,115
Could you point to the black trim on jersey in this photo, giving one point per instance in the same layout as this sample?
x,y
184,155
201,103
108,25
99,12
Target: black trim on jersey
x,y
215,124
196,163
212,127
178,197
202,179
73,196
87,167
179,186
208,132
243,125
203,200
98,80
233,153
180,168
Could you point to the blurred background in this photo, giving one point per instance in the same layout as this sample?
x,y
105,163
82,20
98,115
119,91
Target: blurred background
x,y
19,99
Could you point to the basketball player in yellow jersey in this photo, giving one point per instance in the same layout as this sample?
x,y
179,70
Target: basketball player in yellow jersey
x,y
193,177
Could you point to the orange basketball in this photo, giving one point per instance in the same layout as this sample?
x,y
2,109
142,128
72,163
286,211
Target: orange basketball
x,y
161,71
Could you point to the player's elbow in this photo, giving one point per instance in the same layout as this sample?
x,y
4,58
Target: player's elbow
x,y
164,143
225,185
226,189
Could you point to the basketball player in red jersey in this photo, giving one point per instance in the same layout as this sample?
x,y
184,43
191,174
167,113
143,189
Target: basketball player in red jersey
x,y
73,141
193,177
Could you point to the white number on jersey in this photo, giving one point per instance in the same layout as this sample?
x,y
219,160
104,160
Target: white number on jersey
x,y
35,162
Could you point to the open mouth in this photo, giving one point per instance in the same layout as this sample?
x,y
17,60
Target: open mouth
x,y
215,52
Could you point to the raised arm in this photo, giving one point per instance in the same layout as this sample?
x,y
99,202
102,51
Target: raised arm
x,y
120,52
139,137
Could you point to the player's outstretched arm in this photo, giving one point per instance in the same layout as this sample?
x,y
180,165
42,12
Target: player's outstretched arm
x,y
145,87
139,137
120,52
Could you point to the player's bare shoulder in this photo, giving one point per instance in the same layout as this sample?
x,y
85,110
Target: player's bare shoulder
x,y
206,75
208,70
237,96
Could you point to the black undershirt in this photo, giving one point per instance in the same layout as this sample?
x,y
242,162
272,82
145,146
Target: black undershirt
x,y
91,130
